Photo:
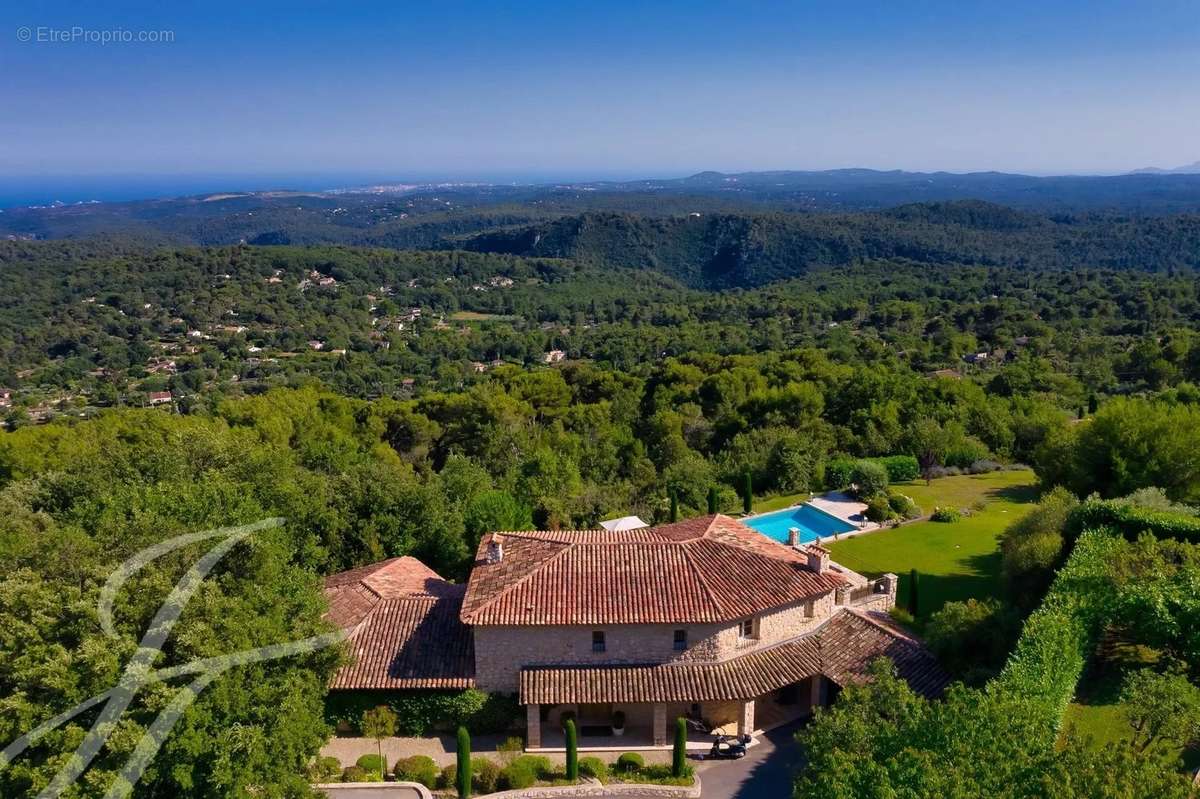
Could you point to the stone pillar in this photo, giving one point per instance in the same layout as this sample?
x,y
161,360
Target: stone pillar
x,y
660,724
841,595
817,693
890,581
746,717
533,726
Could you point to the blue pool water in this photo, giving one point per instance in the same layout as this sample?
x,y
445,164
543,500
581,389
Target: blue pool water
x,y
811,522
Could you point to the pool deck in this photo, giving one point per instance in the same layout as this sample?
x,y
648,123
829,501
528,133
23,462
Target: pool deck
x,y
842,506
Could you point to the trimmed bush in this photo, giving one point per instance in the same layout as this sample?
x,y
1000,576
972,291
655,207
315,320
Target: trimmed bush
x,y
903,506
1132,521
593,767
879,508
524,772
630,761
946,515
572,752
839,473
485,774
679,750
418,768
448,778
869,478
357,774
325,769
713,500
462,780
373,763
900,468
1058,637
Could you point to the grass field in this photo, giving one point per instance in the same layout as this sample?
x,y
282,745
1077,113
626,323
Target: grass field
x,y
956,561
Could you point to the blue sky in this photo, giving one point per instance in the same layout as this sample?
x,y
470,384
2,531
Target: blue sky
x,y
579,89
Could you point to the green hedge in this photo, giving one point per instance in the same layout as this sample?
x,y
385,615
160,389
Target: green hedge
x,y
1059,636
900,468
1132,521
420,713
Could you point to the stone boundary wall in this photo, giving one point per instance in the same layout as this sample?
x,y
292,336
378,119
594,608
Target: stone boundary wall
x,y
402,790
596,788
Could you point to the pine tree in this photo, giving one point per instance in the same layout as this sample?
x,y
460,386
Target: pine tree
x,y
712,499
913,584
674,507
747,492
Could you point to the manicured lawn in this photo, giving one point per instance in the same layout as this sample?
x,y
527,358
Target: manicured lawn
x,y
476,316
956,561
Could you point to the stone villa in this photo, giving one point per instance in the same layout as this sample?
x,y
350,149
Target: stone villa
x,y
704,618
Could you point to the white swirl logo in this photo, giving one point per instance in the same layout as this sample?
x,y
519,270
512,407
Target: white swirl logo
x,y
140,671
24,33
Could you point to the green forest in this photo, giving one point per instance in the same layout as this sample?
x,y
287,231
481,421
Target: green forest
x,y
391,402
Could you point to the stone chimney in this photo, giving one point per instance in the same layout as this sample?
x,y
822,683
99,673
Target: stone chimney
x,y
818,558
495,550
793,537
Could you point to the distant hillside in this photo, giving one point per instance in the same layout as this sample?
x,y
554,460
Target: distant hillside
x,y
719,251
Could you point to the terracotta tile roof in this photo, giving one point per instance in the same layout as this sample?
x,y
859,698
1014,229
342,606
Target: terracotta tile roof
x,y
706,569
841,649
407,630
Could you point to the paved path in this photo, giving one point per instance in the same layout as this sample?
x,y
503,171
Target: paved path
x,y
767,769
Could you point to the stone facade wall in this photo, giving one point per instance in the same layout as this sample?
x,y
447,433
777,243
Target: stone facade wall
x,y
501,652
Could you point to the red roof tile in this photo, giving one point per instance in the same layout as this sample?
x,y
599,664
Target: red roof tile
x,y
706,569
841,649
407,632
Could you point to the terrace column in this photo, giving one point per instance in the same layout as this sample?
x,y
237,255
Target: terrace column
x,y
660,724
815,701
746,717
841,595
890,581
533,726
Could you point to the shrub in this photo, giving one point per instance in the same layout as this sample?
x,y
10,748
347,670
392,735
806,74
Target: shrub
x,y
839,474
418,768
572,751
869,478
879,508
523,772
485,774
1132,521
448,777
629,762
984,466
325,769
966,451
593,767
900,468
903,506
902,616
356,774
972,637
462,782
374,764
419,713
510,749
679,750
1032,546
945,515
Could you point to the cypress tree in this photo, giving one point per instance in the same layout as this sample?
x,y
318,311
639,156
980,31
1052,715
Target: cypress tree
x,y
712,499
747,492
674,507
679,753
462,774
572,752
913,583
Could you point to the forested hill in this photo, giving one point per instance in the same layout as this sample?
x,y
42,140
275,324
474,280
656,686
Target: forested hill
x,y
743,250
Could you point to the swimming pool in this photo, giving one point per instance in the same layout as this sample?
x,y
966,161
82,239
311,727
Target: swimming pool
x,y
811,522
